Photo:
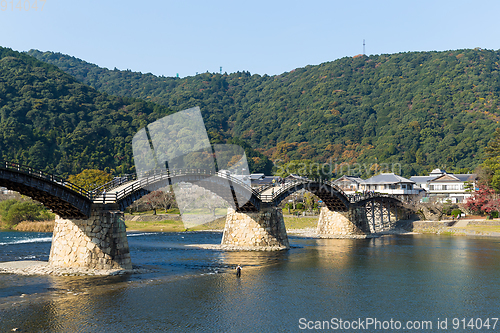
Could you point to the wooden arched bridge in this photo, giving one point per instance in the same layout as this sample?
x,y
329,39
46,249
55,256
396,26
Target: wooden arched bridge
x,y
253,220
71,201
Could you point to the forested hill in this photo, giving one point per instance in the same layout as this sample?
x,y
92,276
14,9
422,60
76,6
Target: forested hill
x,y
420,109
53,122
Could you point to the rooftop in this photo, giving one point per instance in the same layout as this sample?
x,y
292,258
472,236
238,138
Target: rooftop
x,y
450,177
386,178
437,172
422,179
349,178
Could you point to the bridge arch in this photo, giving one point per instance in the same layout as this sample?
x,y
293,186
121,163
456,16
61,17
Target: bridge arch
x,y
239,196
62,197
333,197
90,231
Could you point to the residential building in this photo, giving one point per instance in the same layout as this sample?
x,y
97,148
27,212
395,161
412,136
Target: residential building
x,y
259,179
443,186
348,184
423,181
389,183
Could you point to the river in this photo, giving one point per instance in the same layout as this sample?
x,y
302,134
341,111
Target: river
x,y
397,281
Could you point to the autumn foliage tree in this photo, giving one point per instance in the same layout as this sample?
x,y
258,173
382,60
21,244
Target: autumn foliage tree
x,y
89,179
484,200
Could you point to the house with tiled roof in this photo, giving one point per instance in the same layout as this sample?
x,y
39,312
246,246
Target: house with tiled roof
x,y
389,183
443,186
348,184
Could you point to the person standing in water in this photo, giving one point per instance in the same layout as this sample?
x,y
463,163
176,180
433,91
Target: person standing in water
x,y
238,270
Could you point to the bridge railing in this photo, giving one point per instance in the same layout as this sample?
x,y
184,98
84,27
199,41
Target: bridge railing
x,y
352,198
263,188
116,182
155,176
152,177
11,166
369,195
289,184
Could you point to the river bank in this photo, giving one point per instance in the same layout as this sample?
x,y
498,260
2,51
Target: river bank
x,y
465,227
300,226
169,223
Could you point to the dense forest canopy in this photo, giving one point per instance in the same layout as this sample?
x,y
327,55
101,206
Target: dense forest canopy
x,y
420,109
53,122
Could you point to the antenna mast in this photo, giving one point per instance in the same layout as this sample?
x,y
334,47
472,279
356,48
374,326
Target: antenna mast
x,y
364,47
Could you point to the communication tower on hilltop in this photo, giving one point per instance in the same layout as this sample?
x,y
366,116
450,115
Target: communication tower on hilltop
x,y
220,70
364,47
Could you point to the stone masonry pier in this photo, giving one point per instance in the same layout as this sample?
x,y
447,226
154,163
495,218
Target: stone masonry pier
x,y
350,224
99,242
263,230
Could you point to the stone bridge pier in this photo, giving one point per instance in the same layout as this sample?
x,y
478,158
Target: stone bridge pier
x,y
263,230
99,242
350,224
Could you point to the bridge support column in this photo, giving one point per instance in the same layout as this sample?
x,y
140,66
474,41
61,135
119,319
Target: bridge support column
x,y
99,242
350,224
264,230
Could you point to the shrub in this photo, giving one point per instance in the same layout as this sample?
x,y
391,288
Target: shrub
x,y
456,212
448,208
13,211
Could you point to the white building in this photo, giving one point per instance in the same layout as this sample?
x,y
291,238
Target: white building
x,y
443,186
389,183
348,184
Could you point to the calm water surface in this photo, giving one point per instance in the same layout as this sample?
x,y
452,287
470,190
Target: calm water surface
x,y
403,278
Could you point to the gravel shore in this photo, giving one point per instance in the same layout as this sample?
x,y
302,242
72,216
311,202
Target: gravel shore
x,y
27,267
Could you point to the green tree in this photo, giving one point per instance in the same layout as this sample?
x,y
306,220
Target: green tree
x,y
304,168
309,201
492,150
491,165
423,108
13,211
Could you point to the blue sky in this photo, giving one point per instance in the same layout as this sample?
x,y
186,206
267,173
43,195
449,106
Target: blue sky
x,y
263,37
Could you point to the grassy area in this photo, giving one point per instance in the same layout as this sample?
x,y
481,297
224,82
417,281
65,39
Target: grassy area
x,y
468,230
172,226
167,226
151,212
218,211
177,226
301,222
483,228
38,226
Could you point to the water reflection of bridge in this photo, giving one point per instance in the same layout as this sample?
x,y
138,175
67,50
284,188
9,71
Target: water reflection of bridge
x,y
90,230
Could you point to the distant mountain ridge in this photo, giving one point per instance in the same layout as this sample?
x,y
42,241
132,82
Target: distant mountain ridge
x,y
419,109
51,121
